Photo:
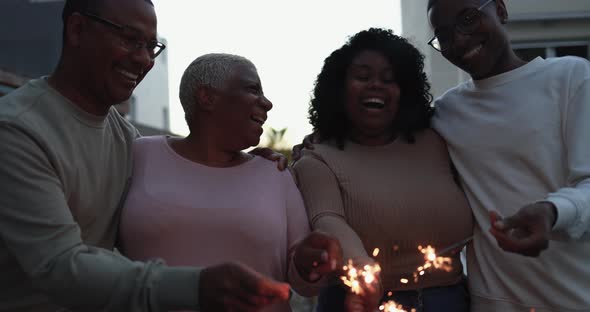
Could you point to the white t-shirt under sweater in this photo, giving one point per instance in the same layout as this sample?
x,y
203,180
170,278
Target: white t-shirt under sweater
x,y
191,214
516,138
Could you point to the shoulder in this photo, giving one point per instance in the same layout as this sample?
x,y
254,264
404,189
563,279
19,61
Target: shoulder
x,y
429,143
267,171
322,153
566,61
19,105
120,123
145,145
453,98
430,137
572,66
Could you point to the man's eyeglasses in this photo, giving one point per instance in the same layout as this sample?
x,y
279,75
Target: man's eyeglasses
x,y
466,23
129,39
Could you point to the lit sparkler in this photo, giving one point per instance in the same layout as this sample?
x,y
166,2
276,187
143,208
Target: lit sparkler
x,y
434,260
355,277
392,306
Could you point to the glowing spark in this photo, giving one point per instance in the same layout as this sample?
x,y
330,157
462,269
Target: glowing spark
x,y
432,261
391,306
354,275
375,252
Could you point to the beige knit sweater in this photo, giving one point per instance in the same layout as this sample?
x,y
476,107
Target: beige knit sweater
x,y
394,197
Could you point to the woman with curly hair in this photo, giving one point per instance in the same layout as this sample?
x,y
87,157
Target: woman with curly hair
x,y
381,177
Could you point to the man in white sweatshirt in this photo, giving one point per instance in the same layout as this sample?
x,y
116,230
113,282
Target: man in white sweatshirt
x,y
519,136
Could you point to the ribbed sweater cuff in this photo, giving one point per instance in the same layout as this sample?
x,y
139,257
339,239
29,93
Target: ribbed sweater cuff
x,y
566,212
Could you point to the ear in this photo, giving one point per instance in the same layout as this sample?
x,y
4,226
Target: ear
x,y
74,27
501,11
206,98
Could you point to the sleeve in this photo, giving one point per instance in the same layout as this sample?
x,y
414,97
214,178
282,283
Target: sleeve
x,y
573,202
39,231
297,229
323,200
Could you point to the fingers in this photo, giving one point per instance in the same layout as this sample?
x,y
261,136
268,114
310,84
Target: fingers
x,y
318,254
526,232
235,287
528,245
262,286
282,164
271,155
296,152
309,140
353,303
237,304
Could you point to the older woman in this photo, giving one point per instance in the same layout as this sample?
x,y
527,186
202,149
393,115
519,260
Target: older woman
x,y
380,176
200,200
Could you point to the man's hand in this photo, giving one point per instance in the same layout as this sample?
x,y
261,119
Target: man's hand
x,y
235,287
527,232
308,142
317,255
271,155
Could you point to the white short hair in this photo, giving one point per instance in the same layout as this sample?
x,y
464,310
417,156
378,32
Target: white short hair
x,y
210,70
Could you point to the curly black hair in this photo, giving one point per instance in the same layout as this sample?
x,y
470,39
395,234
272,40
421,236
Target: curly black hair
x,y
327,112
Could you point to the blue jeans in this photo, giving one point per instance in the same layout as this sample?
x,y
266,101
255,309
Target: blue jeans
x,y
453,298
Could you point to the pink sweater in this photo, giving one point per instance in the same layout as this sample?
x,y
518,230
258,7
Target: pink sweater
x,y
192,215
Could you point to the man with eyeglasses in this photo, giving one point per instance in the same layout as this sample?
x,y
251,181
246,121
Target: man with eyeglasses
x,y
65,162
518,134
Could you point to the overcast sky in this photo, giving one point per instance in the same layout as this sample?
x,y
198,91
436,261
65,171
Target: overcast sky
x,y
286,40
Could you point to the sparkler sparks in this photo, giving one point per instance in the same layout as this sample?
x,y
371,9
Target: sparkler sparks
x,y
391,306
354,276
432,261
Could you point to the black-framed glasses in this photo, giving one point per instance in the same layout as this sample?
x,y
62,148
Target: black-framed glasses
x,y
465,23
129,37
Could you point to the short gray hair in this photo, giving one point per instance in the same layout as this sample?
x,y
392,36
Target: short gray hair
x,y
209,70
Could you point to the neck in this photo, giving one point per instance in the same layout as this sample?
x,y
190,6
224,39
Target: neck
x,y
205,149
372,140
69,82
507,62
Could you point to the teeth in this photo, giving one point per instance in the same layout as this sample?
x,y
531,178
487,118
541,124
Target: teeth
x,y
128,74
374,100
472,52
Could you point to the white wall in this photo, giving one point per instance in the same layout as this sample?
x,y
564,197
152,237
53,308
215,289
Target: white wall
x,y
151,105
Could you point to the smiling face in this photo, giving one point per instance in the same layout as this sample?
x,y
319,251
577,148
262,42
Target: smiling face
x,y
371,99
484,52
241,108
112,70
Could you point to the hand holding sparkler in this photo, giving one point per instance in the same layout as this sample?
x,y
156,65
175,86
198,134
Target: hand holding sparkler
x,y
363,279
235,287
317,255
526,232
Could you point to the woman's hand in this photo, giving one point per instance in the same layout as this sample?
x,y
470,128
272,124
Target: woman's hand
x,y
317,255
368,301
271,155
308,142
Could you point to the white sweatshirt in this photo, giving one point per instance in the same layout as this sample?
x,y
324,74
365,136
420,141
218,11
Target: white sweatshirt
x,y
516,138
